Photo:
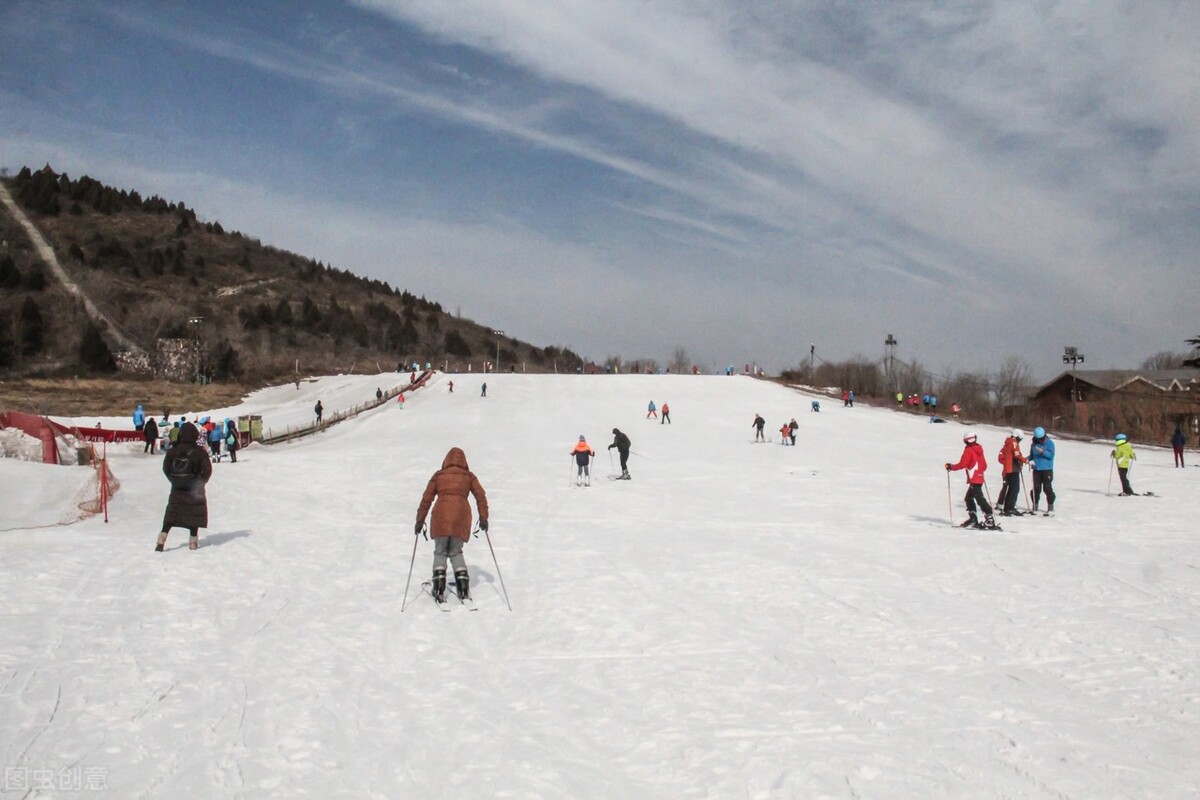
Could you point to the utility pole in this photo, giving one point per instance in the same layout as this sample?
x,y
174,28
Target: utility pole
x,y
812,363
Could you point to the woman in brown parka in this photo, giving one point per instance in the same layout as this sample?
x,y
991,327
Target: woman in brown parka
x,y
188,467
450,523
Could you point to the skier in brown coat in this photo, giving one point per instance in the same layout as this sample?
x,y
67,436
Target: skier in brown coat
x,y
188,467
450,522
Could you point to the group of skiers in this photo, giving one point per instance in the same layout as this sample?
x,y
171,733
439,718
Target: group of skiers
x,y
652,413
973,461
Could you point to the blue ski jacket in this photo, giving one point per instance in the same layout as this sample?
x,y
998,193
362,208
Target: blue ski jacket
x,y
1041,454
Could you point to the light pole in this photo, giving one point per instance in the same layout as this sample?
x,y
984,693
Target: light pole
x,y
890,343
1072,356
496,365
195,323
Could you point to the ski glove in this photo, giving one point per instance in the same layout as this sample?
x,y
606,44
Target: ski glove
x,y
483,525
947,466
417,528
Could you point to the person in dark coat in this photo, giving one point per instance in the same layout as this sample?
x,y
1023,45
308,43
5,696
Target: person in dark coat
x,y
1177,442
450,522
188,468
150,431
319,410
622,443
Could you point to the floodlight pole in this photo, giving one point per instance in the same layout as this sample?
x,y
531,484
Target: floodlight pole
x,y
890,343
1072,356
496,365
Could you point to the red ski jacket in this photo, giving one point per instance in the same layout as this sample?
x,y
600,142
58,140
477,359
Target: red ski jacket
x,y
1010,455
973,461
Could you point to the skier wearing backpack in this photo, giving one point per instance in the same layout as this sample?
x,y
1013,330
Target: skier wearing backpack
x,y
450,522
188,468
1041,459
583,454
974,462
231,440
1011,460
622,443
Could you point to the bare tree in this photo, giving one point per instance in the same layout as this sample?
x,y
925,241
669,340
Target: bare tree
x,y
1165,359
680,363
1012,382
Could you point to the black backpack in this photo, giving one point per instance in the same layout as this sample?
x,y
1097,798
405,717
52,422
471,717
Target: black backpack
x,y
181,471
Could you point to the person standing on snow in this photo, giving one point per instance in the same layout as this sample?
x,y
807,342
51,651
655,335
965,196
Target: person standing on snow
x,y
450,522
758,425
232,445
784,433
1178,440
139,418
622,443
150,432
651,410
583,454
974,462
1041,459
319,410
666,415
792,426
188,468
1124,456
1011,460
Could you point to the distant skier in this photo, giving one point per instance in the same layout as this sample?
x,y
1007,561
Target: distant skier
x,y
974,462
852,398
792,426
651,410
215,437
583,458
758,425
319,410
139,418
1041,459
483,390
188,468
451,387
666,414
815,406
378,393
1178,440
845,398
450,522
232,445
1011,460
400,401
622,443
150,431
1124,456
784,434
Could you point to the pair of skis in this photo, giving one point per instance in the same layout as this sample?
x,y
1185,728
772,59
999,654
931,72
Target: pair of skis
x,y
447,599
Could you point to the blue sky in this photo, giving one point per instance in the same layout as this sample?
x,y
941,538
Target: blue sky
x,y
740,179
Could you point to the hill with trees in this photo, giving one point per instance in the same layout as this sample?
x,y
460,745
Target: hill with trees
x,y
256,313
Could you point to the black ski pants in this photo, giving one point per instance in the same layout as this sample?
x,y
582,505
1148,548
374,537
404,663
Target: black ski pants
x,y
1043,481
1124,473
624,458
975,496
1010,491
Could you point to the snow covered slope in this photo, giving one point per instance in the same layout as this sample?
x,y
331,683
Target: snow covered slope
x,y
739,620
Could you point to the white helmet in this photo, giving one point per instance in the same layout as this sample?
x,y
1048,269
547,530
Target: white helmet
x,y
969,438
1017,433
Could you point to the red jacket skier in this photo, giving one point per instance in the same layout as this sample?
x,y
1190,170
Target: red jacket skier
x,y
975,463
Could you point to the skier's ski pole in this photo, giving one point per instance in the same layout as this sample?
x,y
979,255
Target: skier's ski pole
x,y
611,466
410,571
1108,489
1025,493
497,563
949,498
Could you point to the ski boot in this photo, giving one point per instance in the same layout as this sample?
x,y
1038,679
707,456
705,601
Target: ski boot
x,y
463,579
971,521
625,475
193,542
989,523
438,589
1049,510
162,540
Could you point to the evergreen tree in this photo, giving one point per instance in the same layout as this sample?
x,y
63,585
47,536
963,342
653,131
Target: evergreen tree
x,y
31,332
93,351
10,276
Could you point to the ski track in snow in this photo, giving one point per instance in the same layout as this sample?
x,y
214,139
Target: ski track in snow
x,y
734,621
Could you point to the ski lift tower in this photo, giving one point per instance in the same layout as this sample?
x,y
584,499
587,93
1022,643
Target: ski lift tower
x,y
890,344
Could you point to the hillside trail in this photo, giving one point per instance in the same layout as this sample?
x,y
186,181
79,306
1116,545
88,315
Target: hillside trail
x,y
48,256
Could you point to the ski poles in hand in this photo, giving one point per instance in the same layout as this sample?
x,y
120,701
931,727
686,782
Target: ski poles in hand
x,y
416,535
949,497
1108,489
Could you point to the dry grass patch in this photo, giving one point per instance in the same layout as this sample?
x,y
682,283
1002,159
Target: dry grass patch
x,y
78,397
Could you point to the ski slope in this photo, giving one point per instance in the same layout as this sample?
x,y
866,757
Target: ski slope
x,y
738,620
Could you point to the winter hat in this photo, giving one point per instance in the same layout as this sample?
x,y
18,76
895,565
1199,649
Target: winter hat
x,y
615,431
1017,433
969,438
1039,432
188,432
1121,437
581,438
